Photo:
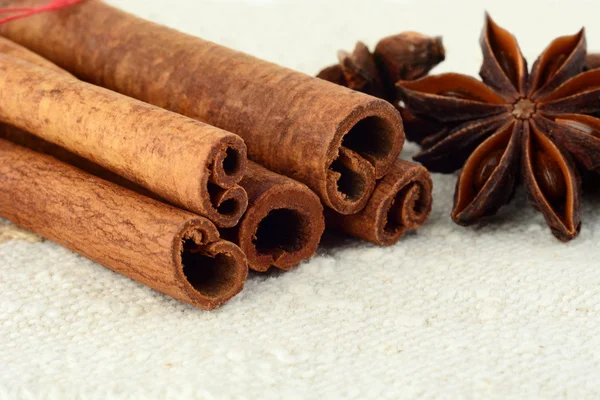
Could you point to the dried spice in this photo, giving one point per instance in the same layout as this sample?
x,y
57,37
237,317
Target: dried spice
x,y
514,126
592,61
283,223
173,251
400,202
357,71
405,56
189,164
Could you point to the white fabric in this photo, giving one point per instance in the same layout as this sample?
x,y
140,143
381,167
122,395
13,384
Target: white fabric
x,y
498,311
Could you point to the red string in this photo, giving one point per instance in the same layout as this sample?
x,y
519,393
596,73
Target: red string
x,y
22,12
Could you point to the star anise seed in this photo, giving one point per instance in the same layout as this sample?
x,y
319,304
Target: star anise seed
x,y
537,128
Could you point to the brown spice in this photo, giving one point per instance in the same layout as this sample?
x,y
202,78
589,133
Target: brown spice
x,y
592,61
39,145
334,140
357,71
514,126
405,56
401,201
190,164
283,223
170,250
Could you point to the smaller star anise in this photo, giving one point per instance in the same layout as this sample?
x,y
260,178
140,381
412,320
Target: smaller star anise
x,y
538,128
357,71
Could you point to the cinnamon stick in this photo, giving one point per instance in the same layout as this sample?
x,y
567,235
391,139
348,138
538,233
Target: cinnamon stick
x,y
333,139
401,201
190,164
170,250
283,223
39,145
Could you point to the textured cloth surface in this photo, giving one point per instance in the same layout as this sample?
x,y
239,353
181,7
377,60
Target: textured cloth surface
x,y
500,311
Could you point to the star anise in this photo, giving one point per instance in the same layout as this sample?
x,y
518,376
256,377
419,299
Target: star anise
x,y
592,61
405,56
514,126
357,71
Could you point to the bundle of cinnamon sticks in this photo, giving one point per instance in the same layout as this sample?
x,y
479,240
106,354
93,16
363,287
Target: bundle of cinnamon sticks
x,y
180,163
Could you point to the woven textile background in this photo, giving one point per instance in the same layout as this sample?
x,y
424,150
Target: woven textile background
x,y
496,311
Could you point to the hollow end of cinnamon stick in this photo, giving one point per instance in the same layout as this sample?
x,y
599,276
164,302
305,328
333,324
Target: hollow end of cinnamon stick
x,y
229,162
408,210
224,200
367,143
350,182
210,273
281,235
401,201
225,207
283,223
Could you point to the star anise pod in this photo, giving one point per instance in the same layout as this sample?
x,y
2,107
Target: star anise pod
x,y
514,126
405,56
592,61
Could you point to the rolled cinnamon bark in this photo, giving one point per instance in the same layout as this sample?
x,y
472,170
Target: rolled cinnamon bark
x,y
39,145
283,223
281,227
170,250
188,163
333,139
401,201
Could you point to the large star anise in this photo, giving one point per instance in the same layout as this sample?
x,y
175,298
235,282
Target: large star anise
x,y
514,126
